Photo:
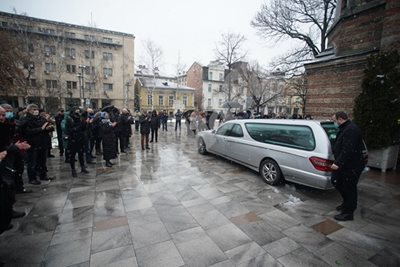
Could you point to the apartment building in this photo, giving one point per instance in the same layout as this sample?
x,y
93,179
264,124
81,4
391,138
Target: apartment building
x,y
71,64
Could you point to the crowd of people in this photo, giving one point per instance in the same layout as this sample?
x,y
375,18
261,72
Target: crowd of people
x,y
26,139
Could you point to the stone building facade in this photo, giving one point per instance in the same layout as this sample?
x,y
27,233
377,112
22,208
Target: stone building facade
x,y
361,28
72,64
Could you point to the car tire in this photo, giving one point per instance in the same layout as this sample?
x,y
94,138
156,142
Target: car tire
x,y
202,146
270,172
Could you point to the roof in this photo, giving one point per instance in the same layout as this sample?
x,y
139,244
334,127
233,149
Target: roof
x,y
162,84
5,14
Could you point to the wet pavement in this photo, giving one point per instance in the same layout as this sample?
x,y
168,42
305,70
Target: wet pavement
x,y
170,206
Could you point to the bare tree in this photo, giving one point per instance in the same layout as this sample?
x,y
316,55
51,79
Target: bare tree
x,y
153,54
11,62
230,51
307,21
261,89
298,87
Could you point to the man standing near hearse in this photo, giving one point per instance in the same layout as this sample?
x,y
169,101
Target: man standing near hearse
x,y
348,164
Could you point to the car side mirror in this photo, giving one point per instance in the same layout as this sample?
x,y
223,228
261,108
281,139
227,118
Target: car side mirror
x,y
213,131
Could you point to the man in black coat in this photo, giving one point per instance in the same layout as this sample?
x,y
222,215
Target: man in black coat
x,y
145,122
75,131
348,164
35,130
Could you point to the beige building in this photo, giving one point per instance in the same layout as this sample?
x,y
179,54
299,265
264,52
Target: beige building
x,y
158,93
72,64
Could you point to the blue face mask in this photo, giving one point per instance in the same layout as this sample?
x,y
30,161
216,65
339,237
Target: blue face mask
x,y
9,115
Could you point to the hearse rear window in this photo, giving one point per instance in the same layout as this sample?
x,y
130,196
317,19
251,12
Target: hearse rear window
x,y
294,136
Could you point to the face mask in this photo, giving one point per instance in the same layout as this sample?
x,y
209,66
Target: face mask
x,y
9,115
35,112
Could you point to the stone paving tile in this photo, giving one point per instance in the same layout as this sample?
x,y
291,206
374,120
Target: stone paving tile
x,y
307,237
160,254
301,258
68,253
244,252
360,244
123,256
228,236
281,247
200,252
111,238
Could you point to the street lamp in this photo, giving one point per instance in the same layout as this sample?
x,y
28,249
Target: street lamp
x,y
82,84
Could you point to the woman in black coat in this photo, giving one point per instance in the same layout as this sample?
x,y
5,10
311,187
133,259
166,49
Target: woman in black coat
x,y
108,139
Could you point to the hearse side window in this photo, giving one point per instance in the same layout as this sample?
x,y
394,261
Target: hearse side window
x,y
224,129
294,136
236,131
331,130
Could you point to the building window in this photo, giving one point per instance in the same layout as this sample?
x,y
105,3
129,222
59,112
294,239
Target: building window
x,y
219,102
89,53
107,72
220,88
149,100
51,84
70,52
49,50
209,87
70,34
161,100
71,68
32,82
107,86
221,77
185,100
107,56
209,102
89,70
31,48
107,40
72,85
171,100
210,76
90,37
90,86
50,67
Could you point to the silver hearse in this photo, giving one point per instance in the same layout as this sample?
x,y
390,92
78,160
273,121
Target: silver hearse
x,y
293,150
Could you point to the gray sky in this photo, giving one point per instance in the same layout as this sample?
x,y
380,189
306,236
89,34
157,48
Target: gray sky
x,y
186,28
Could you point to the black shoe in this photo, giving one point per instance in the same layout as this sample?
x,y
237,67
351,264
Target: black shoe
x,y
35,182
142,148
74,174
108,164
23,191
17,214
51,178
147,147
340,207
90,162
344,217
66,161
151,141
51,156
84,170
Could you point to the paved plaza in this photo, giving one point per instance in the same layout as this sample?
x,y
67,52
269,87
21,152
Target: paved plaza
x,y
170,206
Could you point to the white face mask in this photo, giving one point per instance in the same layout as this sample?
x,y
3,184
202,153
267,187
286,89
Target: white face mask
x,y
35,112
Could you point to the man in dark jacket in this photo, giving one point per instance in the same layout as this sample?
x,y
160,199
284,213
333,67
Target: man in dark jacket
x,y
154,125
35,130
145,121
348,164
75,131
124,129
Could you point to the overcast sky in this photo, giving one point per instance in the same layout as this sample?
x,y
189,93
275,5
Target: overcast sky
x,y
186,28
